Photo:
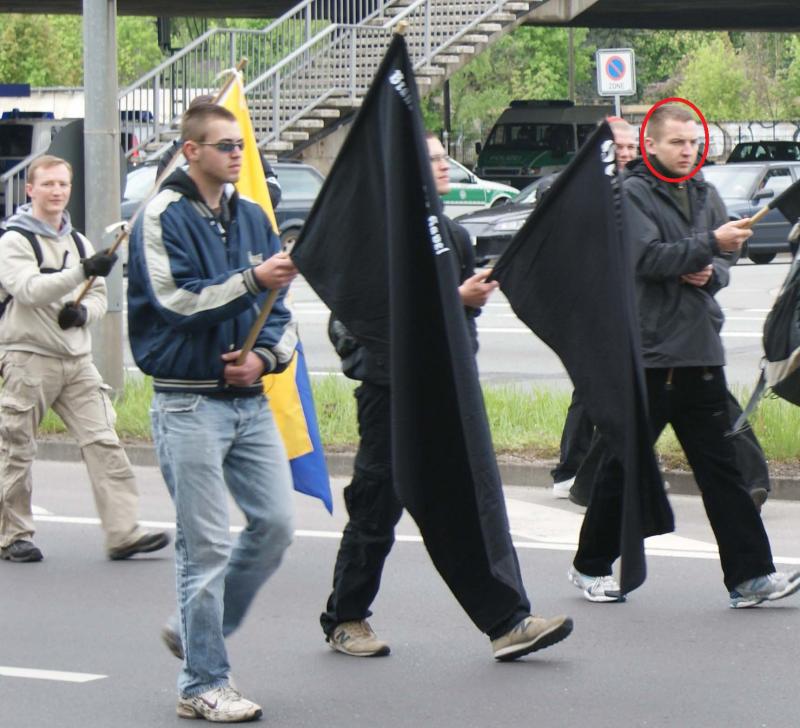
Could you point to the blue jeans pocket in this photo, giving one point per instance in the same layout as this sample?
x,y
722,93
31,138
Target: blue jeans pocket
x,y
176,402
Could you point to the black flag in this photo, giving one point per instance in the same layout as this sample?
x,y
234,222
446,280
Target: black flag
x,y
376,250
569,276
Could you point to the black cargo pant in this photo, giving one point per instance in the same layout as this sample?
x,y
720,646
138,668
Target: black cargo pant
x,y
694,400
374,511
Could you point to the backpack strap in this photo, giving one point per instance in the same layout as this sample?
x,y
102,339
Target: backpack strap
x,y
33,240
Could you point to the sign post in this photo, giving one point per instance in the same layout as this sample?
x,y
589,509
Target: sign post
x,y
616,74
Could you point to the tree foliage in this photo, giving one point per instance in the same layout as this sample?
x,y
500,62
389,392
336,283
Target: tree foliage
x,y
47,50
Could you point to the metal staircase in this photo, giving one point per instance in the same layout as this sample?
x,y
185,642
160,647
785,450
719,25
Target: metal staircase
x,y
308,70
311,67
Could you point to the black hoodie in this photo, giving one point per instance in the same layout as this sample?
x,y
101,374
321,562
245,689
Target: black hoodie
x,y
680,322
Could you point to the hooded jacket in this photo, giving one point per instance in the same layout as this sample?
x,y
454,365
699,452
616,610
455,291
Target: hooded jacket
x,y
192,293
30,321
680,322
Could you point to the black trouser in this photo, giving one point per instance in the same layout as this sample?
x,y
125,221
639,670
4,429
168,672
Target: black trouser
x,y
575,440
694,401
374,511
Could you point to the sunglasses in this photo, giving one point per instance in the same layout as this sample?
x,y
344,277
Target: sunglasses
x,y
224,147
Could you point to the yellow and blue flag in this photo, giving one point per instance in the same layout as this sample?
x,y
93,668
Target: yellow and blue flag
x,y
289,392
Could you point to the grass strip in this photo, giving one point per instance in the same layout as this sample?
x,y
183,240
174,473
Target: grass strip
x,y
525,422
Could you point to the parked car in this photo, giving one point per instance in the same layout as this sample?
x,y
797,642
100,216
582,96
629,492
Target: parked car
x,y
491,230
300,185
765,151
468,192
746,187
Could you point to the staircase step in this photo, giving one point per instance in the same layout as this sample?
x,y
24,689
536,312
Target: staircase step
x,y
488,27
278,146
474,38
323,113
464,50
445,60
309,124
502,17
517,7
430,71
423,80
344,102
294,136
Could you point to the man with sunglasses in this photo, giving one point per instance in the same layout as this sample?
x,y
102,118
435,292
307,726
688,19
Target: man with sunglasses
x,y
201,263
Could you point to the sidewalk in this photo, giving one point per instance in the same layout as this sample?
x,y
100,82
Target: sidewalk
x,y
512,470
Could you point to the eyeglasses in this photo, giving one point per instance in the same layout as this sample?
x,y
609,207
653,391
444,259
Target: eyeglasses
x,y
224,147
438,158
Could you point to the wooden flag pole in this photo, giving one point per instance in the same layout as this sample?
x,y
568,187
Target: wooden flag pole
x,y
250,341
124,232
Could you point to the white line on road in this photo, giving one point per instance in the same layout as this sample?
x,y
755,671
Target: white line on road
x,y
667,545
56,675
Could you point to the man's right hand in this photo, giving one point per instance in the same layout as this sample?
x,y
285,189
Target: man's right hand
x,y
275,272
732,234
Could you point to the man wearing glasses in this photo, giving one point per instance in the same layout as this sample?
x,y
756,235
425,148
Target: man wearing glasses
x,y
201,263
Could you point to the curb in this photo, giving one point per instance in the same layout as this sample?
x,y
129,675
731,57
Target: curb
x,y
340,464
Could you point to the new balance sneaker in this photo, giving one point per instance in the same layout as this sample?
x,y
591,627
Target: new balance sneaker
x,y
596,588
21,551
220,705
768,588
146,542
531,634
561,489
357,638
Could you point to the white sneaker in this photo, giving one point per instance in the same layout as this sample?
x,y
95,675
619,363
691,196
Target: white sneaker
x,y
221,705
596,588
768,588
561,489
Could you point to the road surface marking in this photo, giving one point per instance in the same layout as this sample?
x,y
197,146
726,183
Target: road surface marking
x,y
56,675
536,527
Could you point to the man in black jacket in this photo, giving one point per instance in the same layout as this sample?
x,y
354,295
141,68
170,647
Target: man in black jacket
x,y
372,505
677,226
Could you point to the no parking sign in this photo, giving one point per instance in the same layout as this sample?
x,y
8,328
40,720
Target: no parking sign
x,y
616,72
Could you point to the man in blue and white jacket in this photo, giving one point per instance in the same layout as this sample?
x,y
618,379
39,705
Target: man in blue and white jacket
x,y
201,262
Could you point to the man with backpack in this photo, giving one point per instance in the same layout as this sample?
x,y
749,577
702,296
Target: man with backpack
x,y
46,361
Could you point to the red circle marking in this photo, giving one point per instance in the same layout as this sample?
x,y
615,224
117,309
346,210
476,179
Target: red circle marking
x,y
648,163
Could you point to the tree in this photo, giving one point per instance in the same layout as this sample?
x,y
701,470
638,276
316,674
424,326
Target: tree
x,y
47,50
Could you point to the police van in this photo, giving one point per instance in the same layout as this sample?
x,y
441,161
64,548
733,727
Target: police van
x,y
532,139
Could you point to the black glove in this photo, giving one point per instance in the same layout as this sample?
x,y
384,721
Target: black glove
x,y
100,264
72,315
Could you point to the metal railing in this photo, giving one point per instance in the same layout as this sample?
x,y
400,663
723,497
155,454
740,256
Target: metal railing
x,y
152,103
12,185
341,61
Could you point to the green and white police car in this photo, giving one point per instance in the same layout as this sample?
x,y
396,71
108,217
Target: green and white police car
x,y
469,192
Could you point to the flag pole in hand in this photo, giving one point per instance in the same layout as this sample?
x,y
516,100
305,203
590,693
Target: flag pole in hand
x,y
787,202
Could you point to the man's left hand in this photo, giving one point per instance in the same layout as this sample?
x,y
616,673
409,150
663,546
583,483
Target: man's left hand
x,y
244,375
72,315
700,278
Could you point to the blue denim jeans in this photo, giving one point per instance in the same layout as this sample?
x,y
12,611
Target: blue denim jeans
x,y
208,447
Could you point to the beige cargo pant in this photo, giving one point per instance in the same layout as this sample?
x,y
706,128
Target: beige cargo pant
x,y
74,389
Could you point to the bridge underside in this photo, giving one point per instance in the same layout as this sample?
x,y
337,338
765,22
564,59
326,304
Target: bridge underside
x,y
763,15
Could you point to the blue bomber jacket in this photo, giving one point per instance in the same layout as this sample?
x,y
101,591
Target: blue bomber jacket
x,y
192,294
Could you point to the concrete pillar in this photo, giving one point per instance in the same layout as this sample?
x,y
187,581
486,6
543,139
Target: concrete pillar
x,y
102,170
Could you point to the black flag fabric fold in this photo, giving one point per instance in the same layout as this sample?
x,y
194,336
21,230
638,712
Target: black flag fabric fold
x,y
376,250
568,275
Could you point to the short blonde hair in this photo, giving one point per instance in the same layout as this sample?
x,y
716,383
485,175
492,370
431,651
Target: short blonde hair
x,y
45,162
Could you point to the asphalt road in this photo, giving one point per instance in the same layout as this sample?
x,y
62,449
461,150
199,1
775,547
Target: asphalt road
x,y
511,354
673,656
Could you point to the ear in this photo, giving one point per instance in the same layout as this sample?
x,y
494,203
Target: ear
x,y
190,150
28,188
649,145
